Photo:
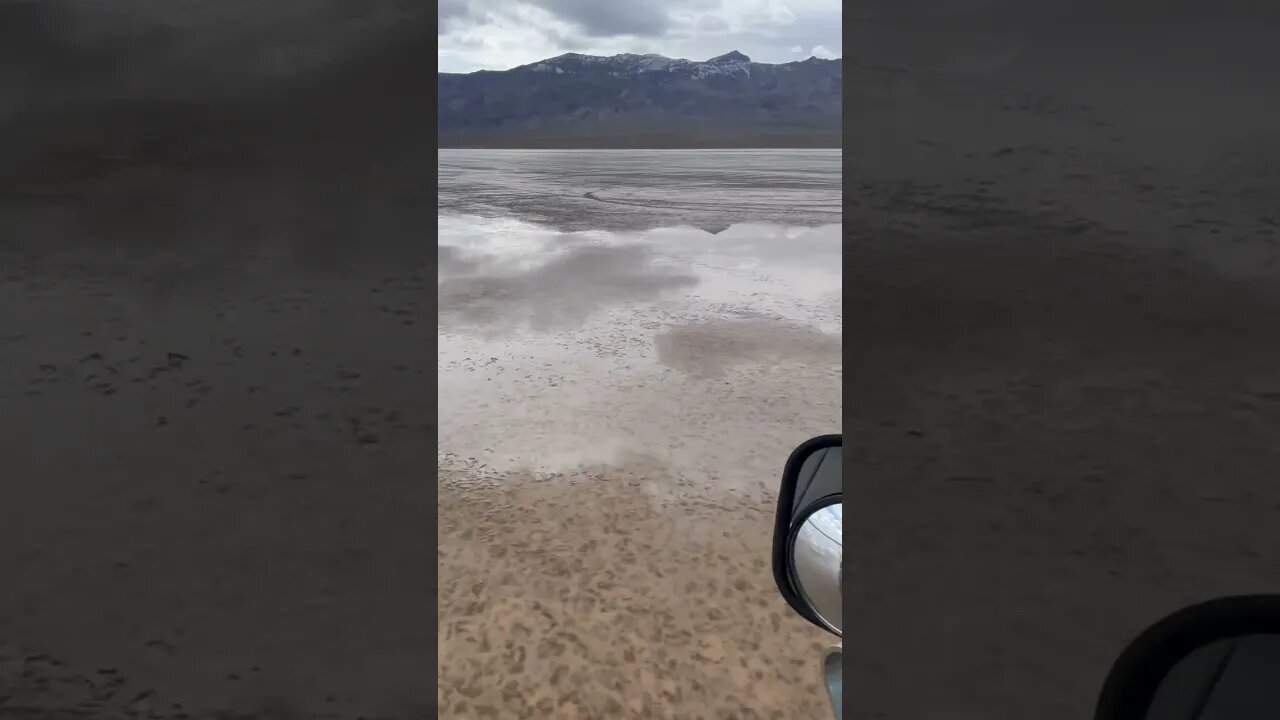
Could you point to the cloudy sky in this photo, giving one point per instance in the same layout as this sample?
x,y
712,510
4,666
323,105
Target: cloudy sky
x,y
501,34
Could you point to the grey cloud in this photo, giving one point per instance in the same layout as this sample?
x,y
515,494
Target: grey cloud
x,y
677,28
450,13
564,41
449,9
806,32
712,24
782,17
603,19
596,18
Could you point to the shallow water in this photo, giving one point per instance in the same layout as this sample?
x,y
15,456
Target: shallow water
x,y
621,379
684,325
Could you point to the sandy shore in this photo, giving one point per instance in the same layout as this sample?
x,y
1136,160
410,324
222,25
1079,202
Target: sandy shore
x,y
620,591
615,411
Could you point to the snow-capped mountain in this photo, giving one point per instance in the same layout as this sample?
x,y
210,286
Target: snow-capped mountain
x,y
576,99
630,65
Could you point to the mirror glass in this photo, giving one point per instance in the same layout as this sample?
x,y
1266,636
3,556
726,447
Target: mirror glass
x,y
817,553
833,678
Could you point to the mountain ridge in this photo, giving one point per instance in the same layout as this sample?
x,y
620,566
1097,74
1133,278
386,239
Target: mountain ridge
x,y
733,56
577,100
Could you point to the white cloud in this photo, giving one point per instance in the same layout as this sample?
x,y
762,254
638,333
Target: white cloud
x,y
500,34
796,49
768,16
823,53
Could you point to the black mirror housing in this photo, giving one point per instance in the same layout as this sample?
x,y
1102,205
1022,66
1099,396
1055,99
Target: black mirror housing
x,y
812,479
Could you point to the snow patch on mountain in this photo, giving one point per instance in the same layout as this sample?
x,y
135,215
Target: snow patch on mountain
x,y
629,64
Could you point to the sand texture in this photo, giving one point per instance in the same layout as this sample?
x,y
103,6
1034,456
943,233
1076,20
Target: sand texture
x,y
621,383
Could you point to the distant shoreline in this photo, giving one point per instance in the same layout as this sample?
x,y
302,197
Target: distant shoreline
x,y
643,142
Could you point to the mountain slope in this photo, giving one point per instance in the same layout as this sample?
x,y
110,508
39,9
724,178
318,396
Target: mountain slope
x,y
643,100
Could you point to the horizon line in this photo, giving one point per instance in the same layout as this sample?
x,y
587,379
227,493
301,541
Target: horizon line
x,y
534,62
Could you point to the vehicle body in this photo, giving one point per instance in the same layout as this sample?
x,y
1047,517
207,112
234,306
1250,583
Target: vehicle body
x,y
808,546
1216,660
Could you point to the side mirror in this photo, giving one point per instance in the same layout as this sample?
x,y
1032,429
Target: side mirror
x,y
833,678
808,546
1216,660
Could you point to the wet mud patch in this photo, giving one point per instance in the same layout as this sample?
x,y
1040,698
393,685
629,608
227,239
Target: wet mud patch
x,y
709,349
648,607
642,189
560,294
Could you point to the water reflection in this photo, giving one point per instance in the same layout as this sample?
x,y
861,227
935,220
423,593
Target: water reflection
x,y
558,346
819,555
504,274
564,291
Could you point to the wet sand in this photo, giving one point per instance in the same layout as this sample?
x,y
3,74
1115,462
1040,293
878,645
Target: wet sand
x,y
619,591
616,408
